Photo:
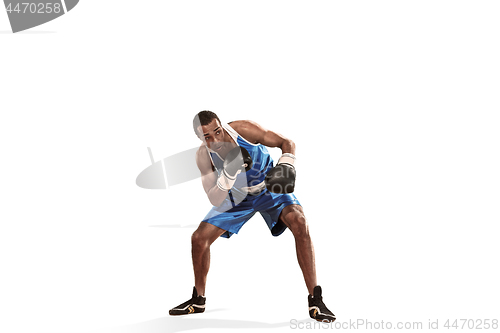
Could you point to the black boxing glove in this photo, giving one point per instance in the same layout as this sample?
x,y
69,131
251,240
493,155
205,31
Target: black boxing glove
x,y
281,178
237,160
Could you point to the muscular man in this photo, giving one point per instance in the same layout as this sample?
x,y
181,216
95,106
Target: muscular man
x,y
240,180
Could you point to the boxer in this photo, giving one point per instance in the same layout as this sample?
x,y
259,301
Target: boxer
x,y
240,179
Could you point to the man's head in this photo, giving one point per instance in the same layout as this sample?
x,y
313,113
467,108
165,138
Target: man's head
x,y
207,127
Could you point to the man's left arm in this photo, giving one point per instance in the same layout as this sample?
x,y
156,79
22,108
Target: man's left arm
x,y
255,133
281,178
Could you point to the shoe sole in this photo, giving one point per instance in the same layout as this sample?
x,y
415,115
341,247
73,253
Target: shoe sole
x,y
325,320
187,313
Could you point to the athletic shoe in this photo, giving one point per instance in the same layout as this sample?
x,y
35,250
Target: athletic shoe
x,y
318,309
195,305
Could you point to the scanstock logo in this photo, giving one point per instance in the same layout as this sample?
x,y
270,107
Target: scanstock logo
x,y
172,170
26,14
180,168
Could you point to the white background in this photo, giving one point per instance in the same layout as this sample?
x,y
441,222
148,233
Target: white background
x,y
394,108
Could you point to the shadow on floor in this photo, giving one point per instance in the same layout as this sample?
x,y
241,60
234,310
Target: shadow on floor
x,y
171,324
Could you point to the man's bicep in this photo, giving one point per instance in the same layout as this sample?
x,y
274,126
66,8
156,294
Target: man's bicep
x,y
273,139
209,181
255,133
208,175
267,137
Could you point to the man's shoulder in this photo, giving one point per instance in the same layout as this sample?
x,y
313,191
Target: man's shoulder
x,y
248,129
202,155
242,124
202,151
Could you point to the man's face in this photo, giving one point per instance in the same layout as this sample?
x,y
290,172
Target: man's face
x,y
212,135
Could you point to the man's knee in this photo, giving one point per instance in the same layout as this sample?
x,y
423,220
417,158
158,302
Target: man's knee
x,y
198,239
299,227
297,223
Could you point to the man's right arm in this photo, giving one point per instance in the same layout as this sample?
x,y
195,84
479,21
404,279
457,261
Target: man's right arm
x,y
209,178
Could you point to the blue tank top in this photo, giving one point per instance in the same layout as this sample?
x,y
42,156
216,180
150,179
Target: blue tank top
x,y
251,181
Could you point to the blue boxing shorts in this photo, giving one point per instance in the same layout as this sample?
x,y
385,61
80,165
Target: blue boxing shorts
x,y
232,217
